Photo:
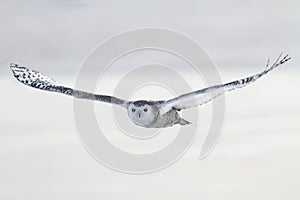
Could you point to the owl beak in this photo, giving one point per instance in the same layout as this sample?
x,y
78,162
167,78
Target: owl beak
x,y
139,115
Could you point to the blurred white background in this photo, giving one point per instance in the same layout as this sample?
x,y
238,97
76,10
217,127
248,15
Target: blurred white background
x,y
257,156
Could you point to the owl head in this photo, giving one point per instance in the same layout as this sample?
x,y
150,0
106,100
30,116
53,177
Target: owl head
x,y
143,113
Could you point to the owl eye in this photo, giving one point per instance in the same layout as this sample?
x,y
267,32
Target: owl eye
x,y
133,109
145,109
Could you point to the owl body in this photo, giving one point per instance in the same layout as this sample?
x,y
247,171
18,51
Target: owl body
x,y
147,114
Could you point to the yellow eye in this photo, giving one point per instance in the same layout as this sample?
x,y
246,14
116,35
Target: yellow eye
x,y
133,109
145,109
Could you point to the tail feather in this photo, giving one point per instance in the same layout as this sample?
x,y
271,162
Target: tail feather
x,y
183,122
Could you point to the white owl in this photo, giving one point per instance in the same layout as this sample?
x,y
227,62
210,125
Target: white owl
x,y
148,114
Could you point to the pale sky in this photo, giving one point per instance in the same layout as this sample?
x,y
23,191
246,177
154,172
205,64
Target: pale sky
x,y
58,35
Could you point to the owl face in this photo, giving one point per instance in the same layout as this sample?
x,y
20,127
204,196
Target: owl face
x,y
142,114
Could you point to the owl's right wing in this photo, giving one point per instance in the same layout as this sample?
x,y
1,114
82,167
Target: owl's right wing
x,y
205,95
37,80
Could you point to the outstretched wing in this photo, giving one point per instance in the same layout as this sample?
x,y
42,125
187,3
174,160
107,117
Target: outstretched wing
x,y
207,94
37,80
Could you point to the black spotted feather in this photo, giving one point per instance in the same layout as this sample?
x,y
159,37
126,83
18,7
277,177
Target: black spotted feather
x,y
37,80
205,95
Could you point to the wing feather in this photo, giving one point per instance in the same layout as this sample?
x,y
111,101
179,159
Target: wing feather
x,y
37,80
205,95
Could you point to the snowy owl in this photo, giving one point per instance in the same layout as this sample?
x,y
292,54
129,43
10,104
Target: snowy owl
x,y
144,113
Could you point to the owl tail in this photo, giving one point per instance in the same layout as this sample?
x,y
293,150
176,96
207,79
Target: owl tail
x,y
183,122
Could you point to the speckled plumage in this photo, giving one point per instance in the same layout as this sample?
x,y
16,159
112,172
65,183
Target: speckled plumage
x,y
148,114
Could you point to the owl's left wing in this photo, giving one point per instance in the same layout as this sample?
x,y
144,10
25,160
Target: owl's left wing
x,y
37,80
205,95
